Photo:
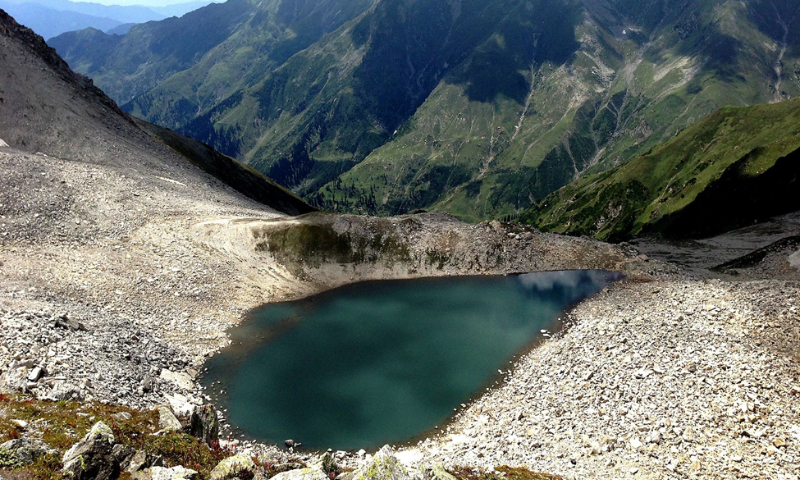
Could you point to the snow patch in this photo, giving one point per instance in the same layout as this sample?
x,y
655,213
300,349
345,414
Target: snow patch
x,y
2,143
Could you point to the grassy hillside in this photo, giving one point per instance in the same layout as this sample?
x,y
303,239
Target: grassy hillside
x,y
479,108
728,170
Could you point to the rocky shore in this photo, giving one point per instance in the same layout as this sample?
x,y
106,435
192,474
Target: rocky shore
x,y
657,379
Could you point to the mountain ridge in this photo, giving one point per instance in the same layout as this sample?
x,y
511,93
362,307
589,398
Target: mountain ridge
x,y
76,106
733,168
476,108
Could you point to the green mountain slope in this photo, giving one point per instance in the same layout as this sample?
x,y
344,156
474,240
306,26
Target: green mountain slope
x,y
737,166
475,107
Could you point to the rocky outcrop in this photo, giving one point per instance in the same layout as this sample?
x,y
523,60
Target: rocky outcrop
x,y
302,474
167,421
93,457
25,450
233,466
162,473
204,424
383,466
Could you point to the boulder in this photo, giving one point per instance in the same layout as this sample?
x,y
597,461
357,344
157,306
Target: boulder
x,y
439,473
63,391
204,424
302,474
326,464
93,458
162,473
383,466
180,404
180,379
68,323
233,466
25,450
167,421
123,454
141,461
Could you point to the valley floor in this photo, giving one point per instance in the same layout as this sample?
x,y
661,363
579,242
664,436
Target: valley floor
x,y
118,283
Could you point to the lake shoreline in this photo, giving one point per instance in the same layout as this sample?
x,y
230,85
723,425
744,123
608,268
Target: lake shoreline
x,y
336,338
604,401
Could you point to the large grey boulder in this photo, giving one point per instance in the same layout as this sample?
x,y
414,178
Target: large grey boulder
x,y
162,473
27,451
62,391
326,463
167,421
140,461
439,473
93,458
233,466
302,474
383,466
204,424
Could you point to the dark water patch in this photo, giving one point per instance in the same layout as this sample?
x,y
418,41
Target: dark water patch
x,y
382,362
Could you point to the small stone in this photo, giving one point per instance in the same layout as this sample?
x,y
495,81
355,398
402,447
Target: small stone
x,y
122,416
35,374
636,444
595,448
20,424
289,443
779,442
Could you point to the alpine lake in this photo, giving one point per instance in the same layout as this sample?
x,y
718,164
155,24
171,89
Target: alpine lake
x,y
386,361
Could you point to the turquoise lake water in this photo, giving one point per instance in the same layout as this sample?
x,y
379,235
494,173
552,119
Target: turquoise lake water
x,y
383,362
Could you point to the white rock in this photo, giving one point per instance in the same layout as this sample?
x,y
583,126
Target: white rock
x,y
161,473
180,404
182,380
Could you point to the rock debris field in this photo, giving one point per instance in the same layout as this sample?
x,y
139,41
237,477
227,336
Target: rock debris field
x,y
663,379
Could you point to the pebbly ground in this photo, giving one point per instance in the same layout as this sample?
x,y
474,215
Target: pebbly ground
x,y
661,379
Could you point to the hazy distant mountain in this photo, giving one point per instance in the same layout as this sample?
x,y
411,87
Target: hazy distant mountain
x,y
180,9
49,22
123,14
477,107
121,29
50,18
